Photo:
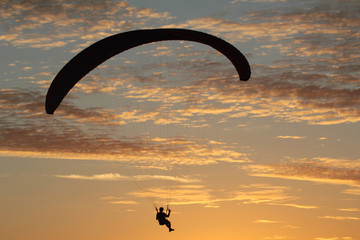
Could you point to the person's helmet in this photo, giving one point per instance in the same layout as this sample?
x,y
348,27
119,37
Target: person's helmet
x,y
161,209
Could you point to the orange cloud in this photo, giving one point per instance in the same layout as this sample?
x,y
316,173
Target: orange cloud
x,y
265,221
319,170
118,177
290,137
340,218
101,19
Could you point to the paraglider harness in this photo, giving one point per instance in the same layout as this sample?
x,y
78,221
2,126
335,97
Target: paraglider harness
x,y
162,218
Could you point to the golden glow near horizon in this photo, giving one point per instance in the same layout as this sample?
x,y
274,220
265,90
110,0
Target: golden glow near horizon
x,y
276,157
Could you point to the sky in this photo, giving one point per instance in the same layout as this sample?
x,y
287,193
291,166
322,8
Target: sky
x,y
170,124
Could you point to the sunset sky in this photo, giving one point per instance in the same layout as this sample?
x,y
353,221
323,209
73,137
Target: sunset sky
x,y
169,123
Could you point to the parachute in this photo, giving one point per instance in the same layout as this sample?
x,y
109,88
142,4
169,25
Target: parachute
x,y
99,52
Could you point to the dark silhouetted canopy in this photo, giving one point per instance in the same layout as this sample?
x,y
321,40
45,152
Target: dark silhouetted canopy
x,y
97,53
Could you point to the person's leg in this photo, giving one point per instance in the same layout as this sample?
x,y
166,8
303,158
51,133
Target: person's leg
x,y
168,224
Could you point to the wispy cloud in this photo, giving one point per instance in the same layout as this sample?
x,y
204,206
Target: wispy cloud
x,y
334,238
72,146
295,205
265,221
239,1
63,137
102,177
350,209
119,177
61,22
118,200
352,191
340,218
320,170
290,137
321,90
315,79
276,237
200,195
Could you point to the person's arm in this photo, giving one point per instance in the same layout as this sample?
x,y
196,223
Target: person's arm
x,y
168,215
157,213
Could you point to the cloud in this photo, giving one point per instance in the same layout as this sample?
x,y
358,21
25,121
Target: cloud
x,y
26,23
265,194
290,227
295,205
274,237
334,238
296,27
26,68
264,1
265,221
118,177
312,73
350,209
320,170
315,79
168,178
101,177
73,144
337,163
290,137
67,137
181,195
340,218
200,195
352,191
118,200
262,97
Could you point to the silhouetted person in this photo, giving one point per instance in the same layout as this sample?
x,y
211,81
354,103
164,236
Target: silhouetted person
x,y
161,217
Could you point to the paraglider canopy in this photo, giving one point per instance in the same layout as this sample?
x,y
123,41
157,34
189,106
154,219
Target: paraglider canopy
x,y
97,53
